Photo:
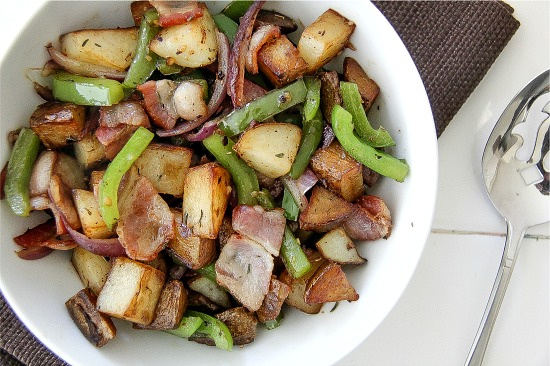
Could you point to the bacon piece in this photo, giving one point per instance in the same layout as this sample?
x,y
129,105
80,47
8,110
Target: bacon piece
x,y
157,98
177,12
261,36
264,227
34,253
252,91
244,267
145,223
44,235
371,220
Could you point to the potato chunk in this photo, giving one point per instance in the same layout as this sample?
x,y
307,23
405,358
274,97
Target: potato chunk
x,y
325,211
92,222
329,284
338,247
191,44
165,167
205,198
89,152
114,48
270,148
170,308
57,124
131,291
338,171
280,62
323,39
92,269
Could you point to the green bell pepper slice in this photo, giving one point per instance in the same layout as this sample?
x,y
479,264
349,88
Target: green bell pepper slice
x,y
208,271
379,161
263,107
226,25
292,211
84,90
294,258
244,177
18,174
352,103
214,329
145,62
313,97
236,9
265,199
108,188
311,138
187,327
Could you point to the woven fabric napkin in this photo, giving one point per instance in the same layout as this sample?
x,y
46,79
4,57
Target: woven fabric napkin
x,y
453,44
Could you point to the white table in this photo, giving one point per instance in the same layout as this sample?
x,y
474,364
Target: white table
x,y
436,319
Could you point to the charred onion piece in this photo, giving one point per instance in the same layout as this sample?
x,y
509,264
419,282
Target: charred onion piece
x,y
237,58
83,68
261,36
218,95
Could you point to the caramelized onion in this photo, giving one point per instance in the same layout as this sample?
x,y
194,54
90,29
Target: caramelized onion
x,y
306,181
263,35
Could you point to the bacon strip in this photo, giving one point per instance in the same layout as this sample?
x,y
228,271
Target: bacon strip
x,y
177,12
264,227
157,99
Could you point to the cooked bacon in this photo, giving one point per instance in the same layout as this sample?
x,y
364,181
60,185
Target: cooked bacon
x,y
252,91
44,235
113,139
34,253
244,267
237,58
177,12
127,113
371,220
261,36
146,222
264,227
157,98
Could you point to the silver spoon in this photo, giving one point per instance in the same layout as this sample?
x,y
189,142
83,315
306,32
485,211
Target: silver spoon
x,y
522,204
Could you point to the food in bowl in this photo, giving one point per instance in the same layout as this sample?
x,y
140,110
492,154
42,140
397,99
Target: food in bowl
x,y
259,146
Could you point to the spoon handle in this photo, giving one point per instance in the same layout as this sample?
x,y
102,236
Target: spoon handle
x,y
511,250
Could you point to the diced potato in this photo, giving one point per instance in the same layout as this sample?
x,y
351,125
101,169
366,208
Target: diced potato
x,y
192,251
61,197
323,39
89,152
280,62
329,284
205,198
210,289
114,48
330,93
296,297
270,148
95,179
170,308
92,222
325,211
96,327
338,247
338,171
191,44
132,291
273,301
92,269
165,167
369,90
57,124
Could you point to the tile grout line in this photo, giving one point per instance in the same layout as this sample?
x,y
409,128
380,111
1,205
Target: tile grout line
x,y
484,233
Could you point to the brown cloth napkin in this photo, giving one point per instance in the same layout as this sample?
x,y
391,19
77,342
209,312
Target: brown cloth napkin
x,y
453,44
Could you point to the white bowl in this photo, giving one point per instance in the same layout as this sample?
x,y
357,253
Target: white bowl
x,y
37,290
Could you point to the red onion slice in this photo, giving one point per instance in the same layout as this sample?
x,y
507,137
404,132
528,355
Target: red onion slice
x,y
237,58
294,190
206,130
306,181
83,68
218,94
262,35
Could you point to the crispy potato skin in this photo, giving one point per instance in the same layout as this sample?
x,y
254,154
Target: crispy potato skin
x,y
369,90
281,62
57,124
329,284
170,308
325,211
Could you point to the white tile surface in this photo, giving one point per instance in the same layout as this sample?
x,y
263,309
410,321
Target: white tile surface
x,y
435,321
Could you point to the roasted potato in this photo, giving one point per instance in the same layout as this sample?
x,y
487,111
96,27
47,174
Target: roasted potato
x,y
95,326
369,90
325,211
114,48
270,148
241,324
131,292
89,152
280,62
329,284
92,269
325,38
205,198
273,301
191,44
170,308
338,247
165,167
330,93
92,222
58,124
338,171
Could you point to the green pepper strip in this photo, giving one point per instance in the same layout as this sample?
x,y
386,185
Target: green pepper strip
x,y
353,104
83,90
145,62
313,97
226,25
311,137
236,9
208,271
244,177
187,326
108,188
264,107
377,160
272,324
294,258
214,329
166,69
289,205
18,174
265,199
